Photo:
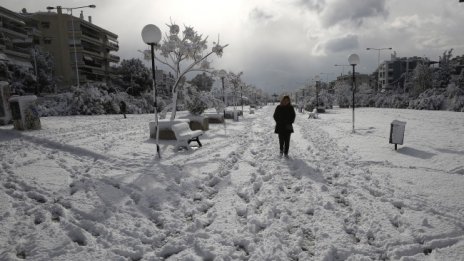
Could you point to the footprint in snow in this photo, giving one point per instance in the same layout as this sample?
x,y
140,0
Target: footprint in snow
x,y
37,197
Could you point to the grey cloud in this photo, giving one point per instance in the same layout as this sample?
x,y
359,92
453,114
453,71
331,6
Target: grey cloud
x,y
258,14
354,11
346,43
312,5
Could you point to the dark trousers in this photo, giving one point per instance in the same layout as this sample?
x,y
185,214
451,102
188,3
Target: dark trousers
x,y
284,142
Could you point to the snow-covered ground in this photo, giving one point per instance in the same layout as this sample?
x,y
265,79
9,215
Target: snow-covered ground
x,y
90,188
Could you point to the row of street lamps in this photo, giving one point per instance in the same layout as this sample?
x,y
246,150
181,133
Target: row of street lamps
x,y
151,35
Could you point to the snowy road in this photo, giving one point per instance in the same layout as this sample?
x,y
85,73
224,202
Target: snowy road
x,y
90,188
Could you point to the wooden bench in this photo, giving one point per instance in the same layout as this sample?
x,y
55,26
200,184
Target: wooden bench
x,y
313,114
184,135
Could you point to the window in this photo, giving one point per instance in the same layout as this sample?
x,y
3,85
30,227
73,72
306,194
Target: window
x,y
47,41
45,24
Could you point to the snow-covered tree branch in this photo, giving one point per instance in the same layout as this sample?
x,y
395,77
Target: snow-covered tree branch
x,y
184,52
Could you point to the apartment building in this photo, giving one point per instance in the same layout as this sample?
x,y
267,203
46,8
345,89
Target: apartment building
x,y
82,51
14,39
347,79
391,75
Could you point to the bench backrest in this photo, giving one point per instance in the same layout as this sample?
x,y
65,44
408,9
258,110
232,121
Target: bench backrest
x,y
180,128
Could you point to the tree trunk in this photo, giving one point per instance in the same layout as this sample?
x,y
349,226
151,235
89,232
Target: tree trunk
x,y
174,105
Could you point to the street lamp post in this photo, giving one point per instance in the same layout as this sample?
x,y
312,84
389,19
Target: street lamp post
x,y
353,60
378,62
222,74
70,9
304,101
34,53
151,35
317,78
241,98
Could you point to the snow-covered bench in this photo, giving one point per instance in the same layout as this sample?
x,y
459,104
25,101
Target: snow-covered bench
x,y
232,114
313,114
197,122
165,131
184,135
214,117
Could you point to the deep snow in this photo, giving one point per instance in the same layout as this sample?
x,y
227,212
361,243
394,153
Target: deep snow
x,y
90,187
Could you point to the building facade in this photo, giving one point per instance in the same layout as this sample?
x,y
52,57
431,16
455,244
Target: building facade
x,y
82,51
347,79
392,73
15,41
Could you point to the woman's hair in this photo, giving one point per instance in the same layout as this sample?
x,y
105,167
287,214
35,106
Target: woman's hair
x,y
286,97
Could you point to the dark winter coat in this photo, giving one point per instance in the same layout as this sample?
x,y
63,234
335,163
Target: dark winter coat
x,y
284,117
122,107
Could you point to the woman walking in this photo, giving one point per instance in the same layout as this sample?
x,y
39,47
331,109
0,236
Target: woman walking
x,y
284,117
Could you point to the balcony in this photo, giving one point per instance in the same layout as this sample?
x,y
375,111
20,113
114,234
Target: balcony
x,y
93,35
22,42
112,46
92,53
91,39
92,48
17,52
89,31
113,58
92,61
14,32
92,69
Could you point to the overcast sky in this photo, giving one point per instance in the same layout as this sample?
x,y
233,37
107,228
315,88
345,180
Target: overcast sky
x,y
281,44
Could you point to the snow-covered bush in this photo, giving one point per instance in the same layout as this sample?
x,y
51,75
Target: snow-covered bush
x,y
203,82
196,101
343,94
389,100
37,79
45,64
457,103
450,98
94,99
431,99
22,81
